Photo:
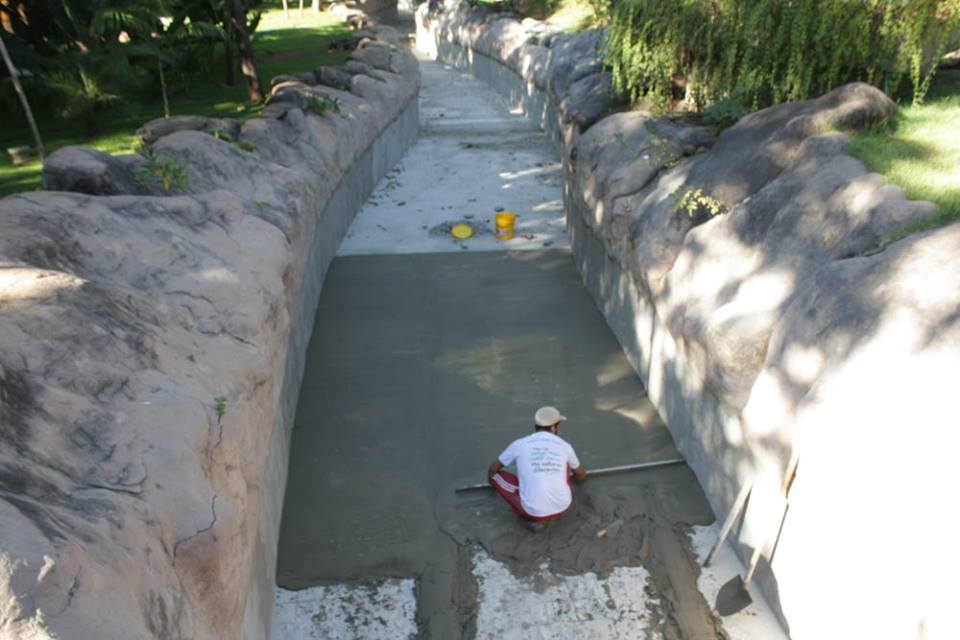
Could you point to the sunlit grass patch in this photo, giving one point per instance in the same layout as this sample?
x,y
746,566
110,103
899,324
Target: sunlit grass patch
x,y
573,15
16,179
920,151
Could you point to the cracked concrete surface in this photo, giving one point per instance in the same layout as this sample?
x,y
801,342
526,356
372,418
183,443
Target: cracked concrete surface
x,y
382,610
546,605
202,530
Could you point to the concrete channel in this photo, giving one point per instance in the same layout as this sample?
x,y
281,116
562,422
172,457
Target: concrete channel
x,y
429,355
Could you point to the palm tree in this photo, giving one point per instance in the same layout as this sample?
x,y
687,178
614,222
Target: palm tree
x,y
172,38
149,36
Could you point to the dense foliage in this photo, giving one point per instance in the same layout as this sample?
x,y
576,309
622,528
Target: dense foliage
x,y
760,52
79,57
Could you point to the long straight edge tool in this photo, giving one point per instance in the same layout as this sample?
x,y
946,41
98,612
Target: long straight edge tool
x,y
598,472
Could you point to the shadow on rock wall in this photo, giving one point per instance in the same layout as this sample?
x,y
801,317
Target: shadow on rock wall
x,y
149,303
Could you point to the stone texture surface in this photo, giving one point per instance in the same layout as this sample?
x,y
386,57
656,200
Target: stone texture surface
x,y
787,324
86,170
156,129
150,354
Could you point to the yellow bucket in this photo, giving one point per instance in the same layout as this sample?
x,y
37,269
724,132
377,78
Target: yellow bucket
x,y
504,223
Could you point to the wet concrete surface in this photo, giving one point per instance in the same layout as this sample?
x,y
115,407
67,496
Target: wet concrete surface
x,y
429,355
422,368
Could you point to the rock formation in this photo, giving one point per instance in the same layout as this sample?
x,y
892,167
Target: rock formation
x,y
148,304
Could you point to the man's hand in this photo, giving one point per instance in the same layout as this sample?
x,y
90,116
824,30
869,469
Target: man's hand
x,y
579,474
495,467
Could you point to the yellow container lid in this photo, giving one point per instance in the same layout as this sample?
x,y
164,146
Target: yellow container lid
x,y
462,231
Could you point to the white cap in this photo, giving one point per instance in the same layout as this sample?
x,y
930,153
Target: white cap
x,y
547,417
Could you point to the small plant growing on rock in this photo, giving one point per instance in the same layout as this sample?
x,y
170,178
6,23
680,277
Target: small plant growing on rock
x,y
168,173
321,104
698,205
659,149
221,134
220,406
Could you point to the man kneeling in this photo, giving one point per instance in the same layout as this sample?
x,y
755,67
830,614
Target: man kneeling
x,y
545,462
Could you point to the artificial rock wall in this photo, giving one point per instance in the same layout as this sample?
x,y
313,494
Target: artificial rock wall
x,y
151,349
750,277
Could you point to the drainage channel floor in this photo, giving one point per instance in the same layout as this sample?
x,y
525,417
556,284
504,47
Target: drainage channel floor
x,y
429,356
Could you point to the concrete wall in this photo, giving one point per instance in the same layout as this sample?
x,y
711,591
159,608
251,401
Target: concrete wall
x,y
519,93
348,197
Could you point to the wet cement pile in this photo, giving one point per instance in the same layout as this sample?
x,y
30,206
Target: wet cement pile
x,y
639,519
421,370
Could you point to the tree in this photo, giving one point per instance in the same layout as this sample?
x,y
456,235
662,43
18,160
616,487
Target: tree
x,y
173,38
248,63
86,55
15,76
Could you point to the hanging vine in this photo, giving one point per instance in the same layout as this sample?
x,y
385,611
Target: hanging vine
x,y
761,52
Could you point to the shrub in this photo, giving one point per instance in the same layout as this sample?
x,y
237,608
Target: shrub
x,y
321,104
221,134
601,10
761,52
168,173
724,113
660,150
698,205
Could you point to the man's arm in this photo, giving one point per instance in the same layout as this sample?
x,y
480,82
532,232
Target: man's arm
x,y
576,469
495,466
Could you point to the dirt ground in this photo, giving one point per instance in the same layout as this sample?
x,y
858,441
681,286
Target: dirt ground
x,y
423,367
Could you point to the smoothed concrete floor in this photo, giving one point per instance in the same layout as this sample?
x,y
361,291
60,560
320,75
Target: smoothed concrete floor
x,y
422,368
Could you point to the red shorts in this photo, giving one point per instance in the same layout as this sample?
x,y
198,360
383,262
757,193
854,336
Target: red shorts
x,y
508,486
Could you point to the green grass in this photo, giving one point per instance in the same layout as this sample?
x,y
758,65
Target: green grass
x,y
573,15
568,15
281,47
920,152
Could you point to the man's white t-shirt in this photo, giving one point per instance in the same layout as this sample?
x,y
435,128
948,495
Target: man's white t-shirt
x,y
542,461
